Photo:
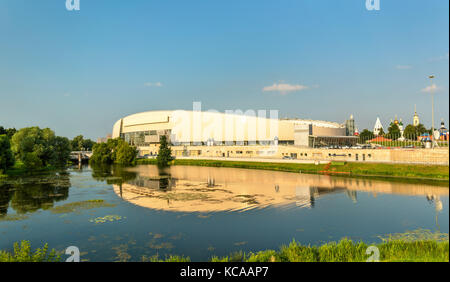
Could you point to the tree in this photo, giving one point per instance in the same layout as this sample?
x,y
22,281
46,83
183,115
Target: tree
x,y
412,132
77,143
6,154
112,146
80,144
101,154
88,144
62,149
31,160
381,132
394,131
32,146
366,135
114,151
8,131
125,154
165,152
38,148
420,129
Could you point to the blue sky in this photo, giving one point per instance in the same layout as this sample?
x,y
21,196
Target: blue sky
x,y
78,72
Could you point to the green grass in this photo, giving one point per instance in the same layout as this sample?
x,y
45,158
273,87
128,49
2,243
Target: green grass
x,y
414,246
23,253
349,251
377,170
343,251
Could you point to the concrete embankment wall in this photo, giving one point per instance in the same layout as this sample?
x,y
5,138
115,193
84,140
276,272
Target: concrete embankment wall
x,y
439,156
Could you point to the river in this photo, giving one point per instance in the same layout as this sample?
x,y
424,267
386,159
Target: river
x,y
114,214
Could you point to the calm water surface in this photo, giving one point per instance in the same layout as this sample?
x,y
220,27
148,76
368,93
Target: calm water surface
x,y
200,211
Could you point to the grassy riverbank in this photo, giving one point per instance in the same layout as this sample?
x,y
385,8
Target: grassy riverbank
x,y
348,251
343,251
419,245
352,169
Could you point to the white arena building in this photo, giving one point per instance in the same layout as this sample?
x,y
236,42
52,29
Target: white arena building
x,y
195,128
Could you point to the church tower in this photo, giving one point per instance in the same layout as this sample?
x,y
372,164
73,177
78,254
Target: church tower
x,y
378,127
416,120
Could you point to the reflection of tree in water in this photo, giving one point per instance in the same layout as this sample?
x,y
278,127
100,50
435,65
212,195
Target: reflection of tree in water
x,y
5,197
112,174
29,194
164,179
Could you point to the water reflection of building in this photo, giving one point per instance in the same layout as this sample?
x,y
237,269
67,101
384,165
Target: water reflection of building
x,y
307,196
160,183
352,195
205,189
436,200
438,206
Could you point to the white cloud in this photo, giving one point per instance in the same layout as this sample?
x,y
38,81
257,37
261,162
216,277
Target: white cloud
x,y
440,58
284,88
153,84
403,67
431,88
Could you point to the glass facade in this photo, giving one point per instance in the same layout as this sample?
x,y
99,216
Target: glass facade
x,y
151,137
144,138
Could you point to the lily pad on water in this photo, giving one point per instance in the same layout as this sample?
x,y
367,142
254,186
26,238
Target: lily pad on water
x,y
416,235
107,218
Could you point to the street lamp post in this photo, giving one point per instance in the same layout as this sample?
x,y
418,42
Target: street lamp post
x,y
432,110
